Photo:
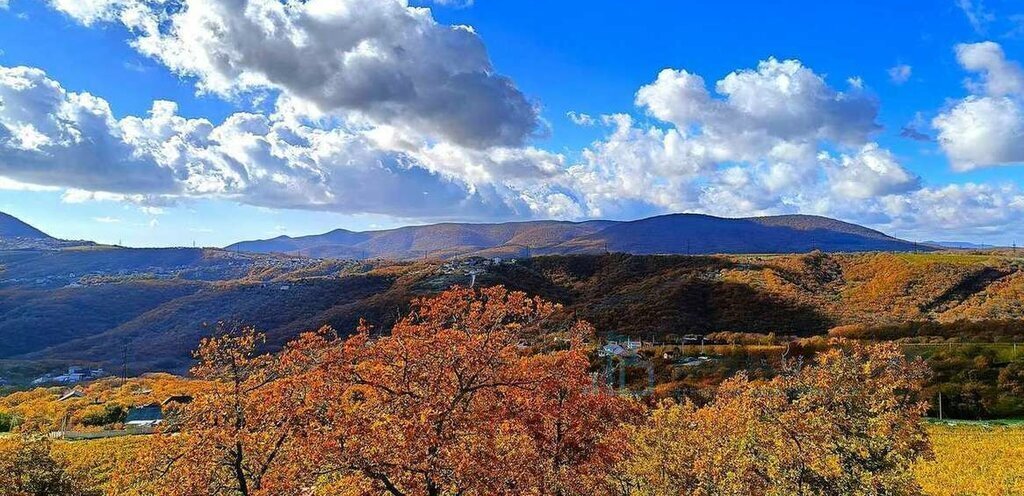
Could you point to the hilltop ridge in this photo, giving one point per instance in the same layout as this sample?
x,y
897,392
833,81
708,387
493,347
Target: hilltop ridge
x,y
13,227
665,234
16,234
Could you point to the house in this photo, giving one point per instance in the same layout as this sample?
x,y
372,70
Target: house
x,y
72,394
612,349
178,399
73,375
144,416
694,361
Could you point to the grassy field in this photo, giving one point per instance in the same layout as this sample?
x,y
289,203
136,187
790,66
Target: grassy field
x,y
948,257
975,458
971,459
1004,352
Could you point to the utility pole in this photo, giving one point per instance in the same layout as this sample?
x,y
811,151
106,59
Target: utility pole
x,y
124,364
940,405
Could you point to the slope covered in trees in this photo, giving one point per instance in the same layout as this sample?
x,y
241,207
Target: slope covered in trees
x,y
642,296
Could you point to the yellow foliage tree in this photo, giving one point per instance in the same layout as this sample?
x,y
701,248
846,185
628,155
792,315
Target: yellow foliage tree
x,y
848,424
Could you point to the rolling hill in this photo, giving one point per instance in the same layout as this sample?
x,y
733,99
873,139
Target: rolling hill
x,y
12,227
16,234
433,241
84,303
667,234
162,318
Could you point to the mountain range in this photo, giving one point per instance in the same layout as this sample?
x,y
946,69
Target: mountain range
x,y
68,303
666,234
959,245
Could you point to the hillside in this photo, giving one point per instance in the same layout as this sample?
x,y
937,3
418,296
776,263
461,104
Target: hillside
x,y
16,234
92,265
702,234
434,241
668,234
12,227
161,318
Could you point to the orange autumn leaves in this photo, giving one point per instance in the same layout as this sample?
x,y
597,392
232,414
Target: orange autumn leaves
x,y
462,398
448,403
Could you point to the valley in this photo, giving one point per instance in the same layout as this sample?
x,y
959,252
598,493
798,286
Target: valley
x,y
145,310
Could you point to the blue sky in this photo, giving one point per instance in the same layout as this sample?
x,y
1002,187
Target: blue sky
x,y
800,107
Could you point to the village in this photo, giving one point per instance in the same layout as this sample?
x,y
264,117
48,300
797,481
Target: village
x,y
73,375
227,265
148,412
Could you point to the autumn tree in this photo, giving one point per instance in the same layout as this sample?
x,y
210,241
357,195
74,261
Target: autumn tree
x,y
235,438
453,402
848,424
458,398
28,469
1011,379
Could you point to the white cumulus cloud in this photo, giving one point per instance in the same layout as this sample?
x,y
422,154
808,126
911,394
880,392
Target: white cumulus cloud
x,y
757,145
282,160
381,59
987,127
50,136
999,76
871,172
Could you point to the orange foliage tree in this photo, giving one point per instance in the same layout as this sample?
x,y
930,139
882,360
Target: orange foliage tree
x,y
452,401
235,438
